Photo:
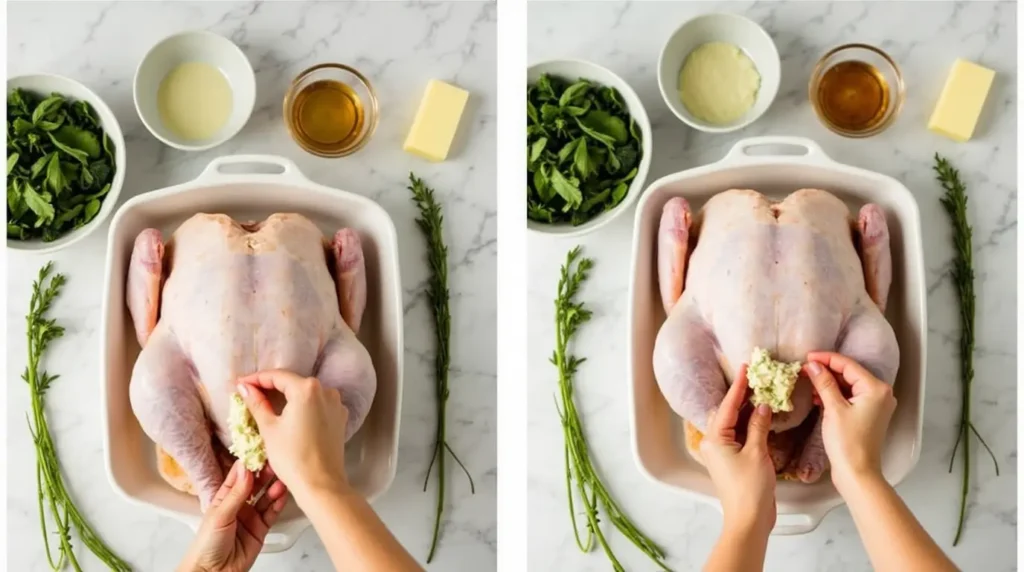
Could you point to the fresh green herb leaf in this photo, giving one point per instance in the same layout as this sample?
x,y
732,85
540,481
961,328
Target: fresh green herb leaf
x,y
47,108
91,208
80,139
568,188
37,203
55,176
40,165
573,92
535,150
606,124
584,166
21,127
12,160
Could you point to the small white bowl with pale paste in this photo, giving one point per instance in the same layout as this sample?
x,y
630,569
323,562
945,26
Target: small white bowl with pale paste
x,y
191,48
754,43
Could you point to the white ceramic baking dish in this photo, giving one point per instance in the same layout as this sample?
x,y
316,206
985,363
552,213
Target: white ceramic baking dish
x,y
371,454
756,163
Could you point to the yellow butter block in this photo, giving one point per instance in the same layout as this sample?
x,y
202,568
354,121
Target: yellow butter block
x,y
956,114
436,121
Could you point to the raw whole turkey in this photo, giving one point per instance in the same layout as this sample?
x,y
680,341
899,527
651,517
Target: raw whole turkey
x,y
223,299
792,277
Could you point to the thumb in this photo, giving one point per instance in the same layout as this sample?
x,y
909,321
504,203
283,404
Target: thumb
x,y
825,384
257,403
760,424
238,495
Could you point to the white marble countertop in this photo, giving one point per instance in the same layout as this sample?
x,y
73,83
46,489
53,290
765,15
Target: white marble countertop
x,y
400,47
924,38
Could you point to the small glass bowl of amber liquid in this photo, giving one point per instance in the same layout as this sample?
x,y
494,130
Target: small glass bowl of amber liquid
x,y
331,110
857,90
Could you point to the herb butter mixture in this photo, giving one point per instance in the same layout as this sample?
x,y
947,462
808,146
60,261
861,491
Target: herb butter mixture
x,y
719,83
246,443
772,381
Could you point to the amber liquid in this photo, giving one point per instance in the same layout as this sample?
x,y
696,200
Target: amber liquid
x,y
328,116
853,96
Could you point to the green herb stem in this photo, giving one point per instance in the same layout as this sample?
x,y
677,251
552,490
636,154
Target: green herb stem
x,y
52,493
431,223
962,273
569,316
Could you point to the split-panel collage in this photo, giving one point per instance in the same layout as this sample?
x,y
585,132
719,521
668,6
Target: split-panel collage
x,y
511,285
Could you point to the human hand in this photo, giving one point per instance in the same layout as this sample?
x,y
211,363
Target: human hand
x,y
232,531
306,442
852,429
743,474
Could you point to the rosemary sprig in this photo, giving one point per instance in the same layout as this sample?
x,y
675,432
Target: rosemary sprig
x,y
52,494
962,272
569,316
431,222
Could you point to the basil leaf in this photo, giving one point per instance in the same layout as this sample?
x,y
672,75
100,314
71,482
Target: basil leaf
x,y
67,216
606,124
537,148
15,231
91,208
581,161
12,160
54,176
573,92
531,112
619,193
108,148
549,112
37,203
21,127
102,193
81,156
80,139
567,151
39,165
595,200
542,183
100,172
47,107
567,187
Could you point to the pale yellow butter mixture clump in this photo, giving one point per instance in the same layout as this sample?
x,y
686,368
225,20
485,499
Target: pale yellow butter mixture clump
x,y
771,381
246,443
718,83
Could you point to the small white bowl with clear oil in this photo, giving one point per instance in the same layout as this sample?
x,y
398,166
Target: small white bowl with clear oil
x,y
194,90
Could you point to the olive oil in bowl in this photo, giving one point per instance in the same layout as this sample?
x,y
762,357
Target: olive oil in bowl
x,y
330,110
328,115
857,90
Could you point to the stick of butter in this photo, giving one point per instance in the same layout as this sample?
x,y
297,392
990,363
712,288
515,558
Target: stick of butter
x,y
436,121
956,114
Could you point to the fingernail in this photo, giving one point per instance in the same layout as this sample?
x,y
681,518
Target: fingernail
x,y
814,368
763,410
243,390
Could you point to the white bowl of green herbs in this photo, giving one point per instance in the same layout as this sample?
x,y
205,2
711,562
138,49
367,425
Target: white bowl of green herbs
x,y
65,162
588,147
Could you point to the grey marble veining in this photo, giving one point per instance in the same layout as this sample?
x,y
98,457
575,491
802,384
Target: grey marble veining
x,y
924,37
399,46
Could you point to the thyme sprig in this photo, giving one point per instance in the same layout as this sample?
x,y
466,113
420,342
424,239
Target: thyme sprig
x,y
52,493
431,223
569,316
962,273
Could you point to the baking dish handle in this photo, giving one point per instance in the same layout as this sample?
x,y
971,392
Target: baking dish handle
x,y
287,171
793,524
805,149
